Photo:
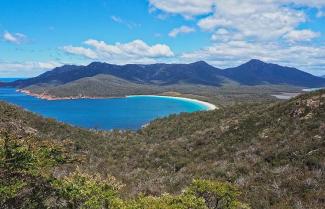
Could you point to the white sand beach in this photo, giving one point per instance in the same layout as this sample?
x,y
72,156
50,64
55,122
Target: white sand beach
x,y
208,105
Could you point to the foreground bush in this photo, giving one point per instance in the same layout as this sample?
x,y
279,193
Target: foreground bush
x,y
26,182
86,191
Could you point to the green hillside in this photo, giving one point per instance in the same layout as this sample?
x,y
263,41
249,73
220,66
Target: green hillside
x,y
97,86
266,155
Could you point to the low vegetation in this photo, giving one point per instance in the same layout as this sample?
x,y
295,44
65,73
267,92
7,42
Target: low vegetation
x,y
27,181
267,155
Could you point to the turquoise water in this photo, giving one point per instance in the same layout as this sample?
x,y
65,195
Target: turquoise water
x,y
105,114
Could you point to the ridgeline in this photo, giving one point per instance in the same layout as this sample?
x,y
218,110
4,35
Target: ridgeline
x,y
107,80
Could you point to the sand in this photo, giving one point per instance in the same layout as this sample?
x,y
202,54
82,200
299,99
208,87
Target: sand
x,y
208,105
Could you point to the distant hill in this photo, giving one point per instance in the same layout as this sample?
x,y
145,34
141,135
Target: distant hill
x,y
256,72
273,153
97,86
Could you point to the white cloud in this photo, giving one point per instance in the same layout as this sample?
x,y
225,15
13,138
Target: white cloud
x,y
224,35
263,21
136,48
259,19
116,19
129,24
301,35
187,8
135,51
183,29
16,38
232,53
222,31
308,3
320,14
88,53
26,69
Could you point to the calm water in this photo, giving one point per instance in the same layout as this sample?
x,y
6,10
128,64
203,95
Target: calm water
x,y
106,114
9,79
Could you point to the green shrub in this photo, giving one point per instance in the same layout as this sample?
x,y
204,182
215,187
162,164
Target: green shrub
x,y
219,195
88,191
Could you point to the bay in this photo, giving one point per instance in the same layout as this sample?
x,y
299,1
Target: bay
x,y
104,114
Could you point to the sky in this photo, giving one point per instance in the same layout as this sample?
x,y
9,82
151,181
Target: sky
x,y
38,35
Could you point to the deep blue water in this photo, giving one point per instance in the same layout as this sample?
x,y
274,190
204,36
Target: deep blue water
x,y
9,79
105,114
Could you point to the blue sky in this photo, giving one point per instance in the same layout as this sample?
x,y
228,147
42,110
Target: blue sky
x,y
37,35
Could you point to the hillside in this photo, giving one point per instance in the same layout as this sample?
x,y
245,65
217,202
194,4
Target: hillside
x,y
97,86
273,153
125,79
43,165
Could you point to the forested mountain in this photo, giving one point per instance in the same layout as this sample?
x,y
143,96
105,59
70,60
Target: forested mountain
x,y
160,74
267,155
254,72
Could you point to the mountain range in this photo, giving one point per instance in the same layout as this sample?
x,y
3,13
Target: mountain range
x,y
254,72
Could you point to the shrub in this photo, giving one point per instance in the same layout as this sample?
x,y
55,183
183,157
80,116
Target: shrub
x,y
217,195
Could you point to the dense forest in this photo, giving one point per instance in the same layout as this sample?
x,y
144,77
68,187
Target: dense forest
x,y
262,155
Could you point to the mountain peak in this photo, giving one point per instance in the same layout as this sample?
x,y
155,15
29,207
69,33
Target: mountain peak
x,y
255,62
93,64
201,64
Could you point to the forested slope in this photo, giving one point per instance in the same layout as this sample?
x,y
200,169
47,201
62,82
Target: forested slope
x,y
273,153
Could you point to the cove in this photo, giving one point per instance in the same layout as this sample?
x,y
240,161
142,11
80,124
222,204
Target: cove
x,y
105,114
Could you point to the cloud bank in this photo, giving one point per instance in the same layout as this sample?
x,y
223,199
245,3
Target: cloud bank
x,y
26,69
136,51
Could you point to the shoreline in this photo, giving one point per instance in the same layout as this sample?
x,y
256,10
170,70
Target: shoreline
x,y
208,105
52,98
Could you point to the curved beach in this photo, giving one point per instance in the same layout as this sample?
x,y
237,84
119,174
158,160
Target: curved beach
x,y
208,105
